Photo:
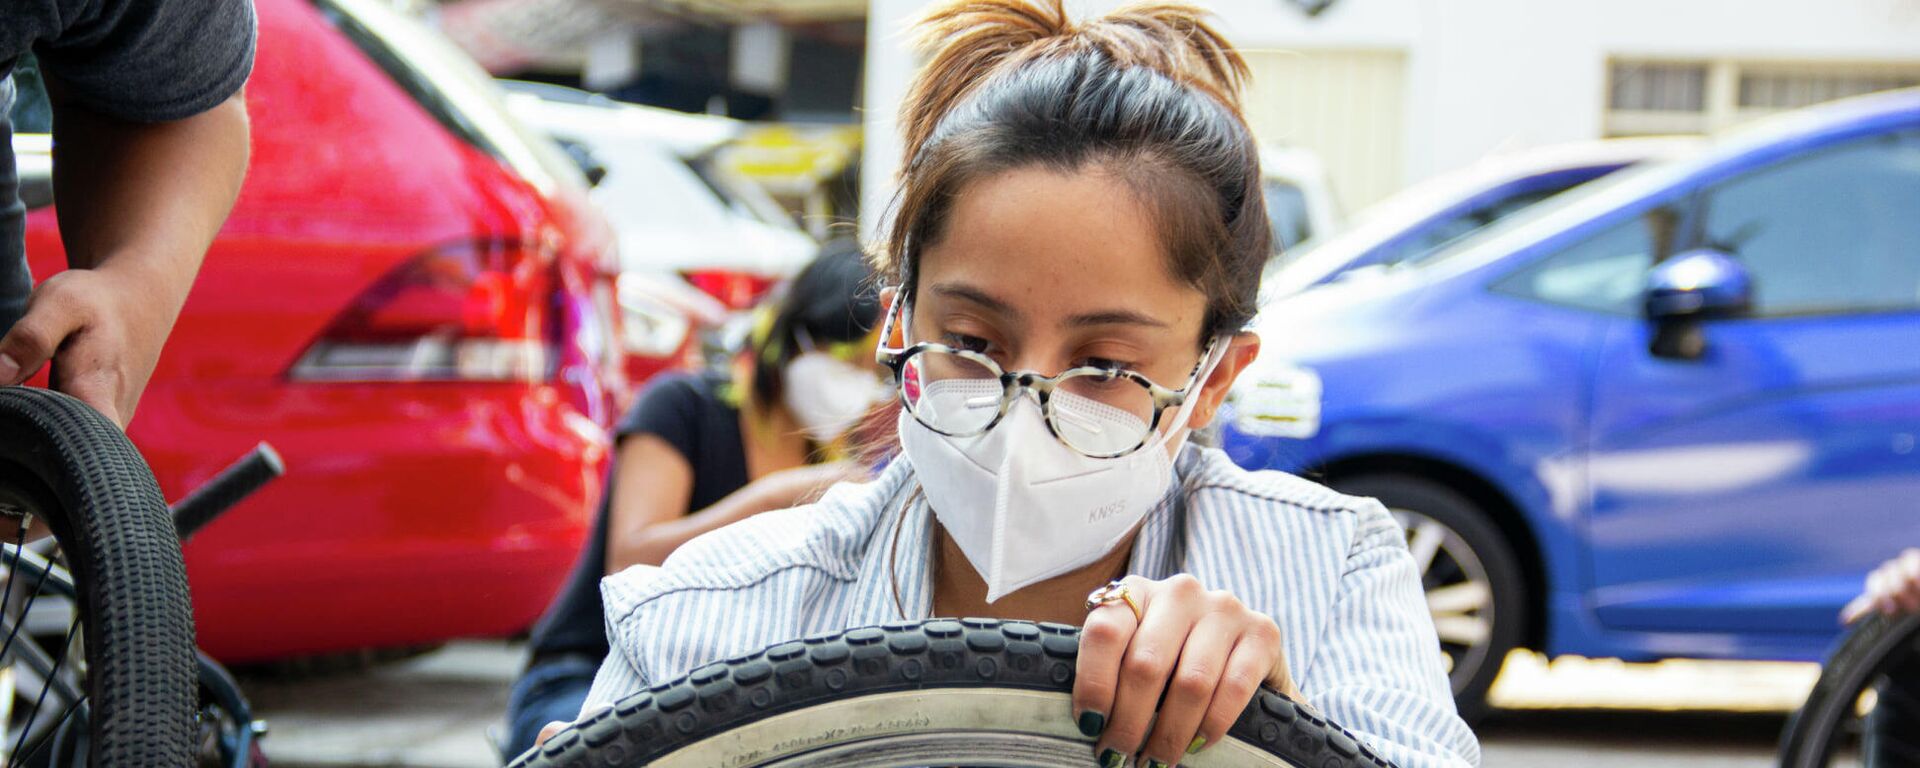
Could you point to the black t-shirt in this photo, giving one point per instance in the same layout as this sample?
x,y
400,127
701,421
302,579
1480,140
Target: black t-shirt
x,y
688,411
136,60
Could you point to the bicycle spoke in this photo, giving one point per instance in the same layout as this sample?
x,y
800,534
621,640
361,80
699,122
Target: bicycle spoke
x,y
34,713
13,569
47,736
24,608
38,663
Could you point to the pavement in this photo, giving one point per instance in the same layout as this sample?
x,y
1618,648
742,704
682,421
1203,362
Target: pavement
x,y
436,712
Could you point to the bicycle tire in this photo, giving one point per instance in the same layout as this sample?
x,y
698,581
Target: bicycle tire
x,y
894,667
1862,656
104,508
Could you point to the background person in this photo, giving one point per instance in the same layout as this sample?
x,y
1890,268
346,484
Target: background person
x,y
150,146
701,450
1079,210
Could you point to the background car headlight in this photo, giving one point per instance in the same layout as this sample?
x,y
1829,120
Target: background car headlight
x,y
1278,400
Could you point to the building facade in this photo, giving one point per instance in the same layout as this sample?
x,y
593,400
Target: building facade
x,y
1389,92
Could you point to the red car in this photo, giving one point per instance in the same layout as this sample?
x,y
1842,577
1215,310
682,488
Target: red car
x,y
414,302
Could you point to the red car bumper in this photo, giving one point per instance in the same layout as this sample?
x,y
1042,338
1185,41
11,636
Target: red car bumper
x,y
410,513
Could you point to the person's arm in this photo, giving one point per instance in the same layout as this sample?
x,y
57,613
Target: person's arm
x,y
139,205
653,487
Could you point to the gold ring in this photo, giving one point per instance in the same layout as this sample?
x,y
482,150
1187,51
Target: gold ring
x,y
1113,592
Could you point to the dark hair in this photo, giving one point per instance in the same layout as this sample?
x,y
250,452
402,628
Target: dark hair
x,y
1150,93
833,299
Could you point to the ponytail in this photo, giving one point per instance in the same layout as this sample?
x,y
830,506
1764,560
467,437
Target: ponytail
x,y
970,42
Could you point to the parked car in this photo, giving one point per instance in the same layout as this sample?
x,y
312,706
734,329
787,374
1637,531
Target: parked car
x,y
1671,413
1421,220
676,210
412,301
1300,201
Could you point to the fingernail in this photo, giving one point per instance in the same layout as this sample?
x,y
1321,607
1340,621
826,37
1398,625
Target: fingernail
x,y
1112,759
9,368
1199,743
1092,723
1152,763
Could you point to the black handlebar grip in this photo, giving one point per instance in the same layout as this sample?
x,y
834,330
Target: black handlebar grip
x,y
226,489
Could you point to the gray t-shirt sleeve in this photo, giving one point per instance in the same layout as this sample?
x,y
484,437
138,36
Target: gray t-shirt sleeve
x,y
150,60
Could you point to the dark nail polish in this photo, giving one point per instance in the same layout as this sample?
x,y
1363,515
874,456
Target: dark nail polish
x,y
1151,763
1112,759
1092,723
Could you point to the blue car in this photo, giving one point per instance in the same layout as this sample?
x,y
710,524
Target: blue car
x,y
1671,413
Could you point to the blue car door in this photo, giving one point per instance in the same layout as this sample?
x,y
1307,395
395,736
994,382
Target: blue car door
x,y
1736,500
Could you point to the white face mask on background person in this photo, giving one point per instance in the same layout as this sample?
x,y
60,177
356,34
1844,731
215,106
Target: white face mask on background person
x,y
828,395
1021,505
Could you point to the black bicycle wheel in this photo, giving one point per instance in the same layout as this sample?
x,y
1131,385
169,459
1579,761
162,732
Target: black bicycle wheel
x,y
940,692
64,463
1822,725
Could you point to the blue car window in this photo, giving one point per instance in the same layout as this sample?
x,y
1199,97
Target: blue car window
x,y
1605,272
1831,231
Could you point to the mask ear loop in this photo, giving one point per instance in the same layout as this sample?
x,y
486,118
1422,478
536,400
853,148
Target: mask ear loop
x,y
1216,352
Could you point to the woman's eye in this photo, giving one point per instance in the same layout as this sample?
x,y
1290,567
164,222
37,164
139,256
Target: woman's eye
x,y
968,343
1103,363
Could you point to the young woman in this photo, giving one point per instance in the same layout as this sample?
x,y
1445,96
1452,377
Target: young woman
x,y
1075,248
701,450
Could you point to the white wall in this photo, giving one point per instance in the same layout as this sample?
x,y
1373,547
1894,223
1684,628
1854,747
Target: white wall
x,y
1483,75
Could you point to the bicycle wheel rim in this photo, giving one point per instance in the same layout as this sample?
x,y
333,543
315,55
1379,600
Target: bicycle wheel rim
x,y
1012,727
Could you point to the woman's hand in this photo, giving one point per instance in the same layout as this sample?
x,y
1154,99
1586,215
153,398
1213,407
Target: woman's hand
x,y
1205,650
1892,588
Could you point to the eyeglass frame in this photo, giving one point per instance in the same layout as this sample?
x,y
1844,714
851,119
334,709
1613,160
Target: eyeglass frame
x,y
1042,386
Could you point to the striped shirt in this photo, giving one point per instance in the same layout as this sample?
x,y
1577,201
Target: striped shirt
x,y
1332,571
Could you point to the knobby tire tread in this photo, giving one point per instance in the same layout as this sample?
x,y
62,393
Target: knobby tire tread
x,y
902,656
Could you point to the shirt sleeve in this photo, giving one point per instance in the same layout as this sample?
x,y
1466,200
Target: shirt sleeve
x,y
1378,672
668,408
616,680
619,676
151,60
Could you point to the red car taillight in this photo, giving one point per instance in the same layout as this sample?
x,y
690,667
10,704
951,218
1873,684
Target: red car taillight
x,y
467,312
737,290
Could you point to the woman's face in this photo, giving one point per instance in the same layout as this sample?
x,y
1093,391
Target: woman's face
x,y
1044,271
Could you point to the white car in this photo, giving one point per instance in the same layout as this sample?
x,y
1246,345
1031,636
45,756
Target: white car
x,y
675,210
1418,221
1300,201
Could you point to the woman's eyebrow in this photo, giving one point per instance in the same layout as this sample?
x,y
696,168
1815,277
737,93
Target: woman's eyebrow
x,y
974,295
1115,317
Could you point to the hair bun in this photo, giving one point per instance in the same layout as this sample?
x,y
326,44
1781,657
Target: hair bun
x,y
968,42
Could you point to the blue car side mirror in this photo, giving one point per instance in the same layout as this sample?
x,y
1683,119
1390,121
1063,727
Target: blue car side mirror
x,y
1701,284
1689,288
